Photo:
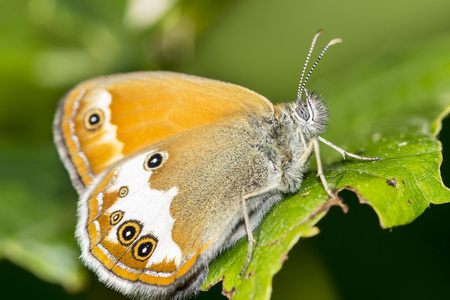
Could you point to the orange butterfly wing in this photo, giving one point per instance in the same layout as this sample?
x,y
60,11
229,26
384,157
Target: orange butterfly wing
x,y
133,111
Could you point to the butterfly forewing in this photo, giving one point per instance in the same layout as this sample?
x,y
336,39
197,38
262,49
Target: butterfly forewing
x,y
107,119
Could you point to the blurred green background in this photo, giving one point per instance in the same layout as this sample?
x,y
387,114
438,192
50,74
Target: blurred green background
x,y
48,46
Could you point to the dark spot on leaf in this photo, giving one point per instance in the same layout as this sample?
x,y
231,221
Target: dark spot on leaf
x,y
249,274
392,182
409,201
404,182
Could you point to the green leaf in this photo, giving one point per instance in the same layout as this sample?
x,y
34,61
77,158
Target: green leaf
x,y
399,187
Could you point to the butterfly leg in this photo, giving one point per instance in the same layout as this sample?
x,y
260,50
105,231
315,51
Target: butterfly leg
x,y
307,153
250,237
344,153
319,161
314,145
320,169
248,228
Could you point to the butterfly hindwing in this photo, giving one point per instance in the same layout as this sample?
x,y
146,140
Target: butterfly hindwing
x,y
137,224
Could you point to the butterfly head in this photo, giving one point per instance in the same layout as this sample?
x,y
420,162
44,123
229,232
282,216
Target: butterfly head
x,y
310,115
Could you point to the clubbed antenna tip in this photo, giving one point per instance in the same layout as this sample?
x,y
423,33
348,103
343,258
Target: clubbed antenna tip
x,y
334,42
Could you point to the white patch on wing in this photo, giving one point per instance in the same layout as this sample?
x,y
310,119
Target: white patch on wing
x,y
101,99
99,202
148,206
97,226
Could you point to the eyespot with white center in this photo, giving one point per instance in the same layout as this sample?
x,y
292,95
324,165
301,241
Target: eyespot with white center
x,y
116,217
94,119
128,232
154,160
144,248
123,191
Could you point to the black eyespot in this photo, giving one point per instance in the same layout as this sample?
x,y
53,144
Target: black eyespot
x,y
154,161
116,217
144,248
94,119
128,232
123,191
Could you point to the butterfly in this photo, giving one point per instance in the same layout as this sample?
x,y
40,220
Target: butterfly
x,y
172,169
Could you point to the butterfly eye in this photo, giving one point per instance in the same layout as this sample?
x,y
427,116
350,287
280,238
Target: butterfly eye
x,y
154,161
128,232
116,217
303,112
94,119
144,248
123,191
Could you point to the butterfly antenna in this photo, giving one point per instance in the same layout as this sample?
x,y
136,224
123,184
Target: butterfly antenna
x,y
313,43
330,43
